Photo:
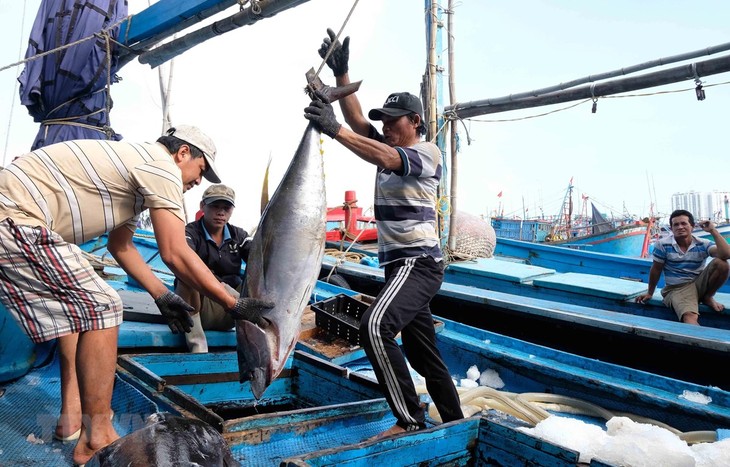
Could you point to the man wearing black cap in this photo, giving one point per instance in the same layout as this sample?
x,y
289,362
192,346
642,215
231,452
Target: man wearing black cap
x,y
223,247
408,174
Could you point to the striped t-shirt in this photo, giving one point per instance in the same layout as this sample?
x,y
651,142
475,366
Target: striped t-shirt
x,y
82,189
680,268
405,205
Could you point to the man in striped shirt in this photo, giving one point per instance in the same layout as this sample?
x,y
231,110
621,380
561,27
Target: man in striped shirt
x,y
65,194
682,257
408,174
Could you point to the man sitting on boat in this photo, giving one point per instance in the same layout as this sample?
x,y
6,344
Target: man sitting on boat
x,y
65,194
407,177
681,256
222,247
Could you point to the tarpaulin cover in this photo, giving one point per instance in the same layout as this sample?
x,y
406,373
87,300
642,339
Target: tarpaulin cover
x,y
65,90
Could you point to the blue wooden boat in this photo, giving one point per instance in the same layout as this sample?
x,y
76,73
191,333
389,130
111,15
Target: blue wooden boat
x,y
593,233
607,293
576,321
608,282
561,276
325,405
349,422
570,260
551,256
626,240
527,230
588,262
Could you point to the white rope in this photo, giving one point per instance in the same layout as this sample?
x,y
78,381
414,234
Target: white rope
x,y
337,37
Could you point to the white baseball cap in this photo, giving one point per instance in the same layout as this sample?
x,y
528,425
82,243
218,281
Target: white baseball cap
x,y
195,136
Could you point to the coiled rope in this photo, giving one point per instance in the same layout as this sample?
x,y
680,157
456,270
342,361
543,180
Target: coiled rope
x,y
533,408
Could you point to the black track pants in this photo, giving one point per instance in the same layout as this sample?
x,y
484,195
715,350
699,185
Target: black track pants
x,y
403,306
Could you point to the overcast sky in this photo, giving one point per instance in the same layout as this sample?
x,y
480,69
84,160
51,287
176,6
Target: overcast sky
x,y
245,89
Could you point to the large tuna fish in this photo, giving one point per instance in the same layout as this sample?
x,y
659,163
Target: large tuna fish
x,y
283,263
167,439
286,255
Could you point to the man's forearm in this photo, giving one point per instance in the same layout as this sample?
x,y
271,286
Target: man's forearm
x,y
370,150
723,248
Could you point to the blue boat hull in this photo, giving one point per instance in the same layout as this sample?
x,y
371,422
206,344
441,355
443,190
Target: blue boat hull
x,y
624,242
325,405
17,351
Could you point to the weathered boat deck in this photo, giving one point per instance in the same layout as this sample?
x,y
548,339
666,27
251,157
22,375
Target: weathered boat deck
x,y
580,313
319,414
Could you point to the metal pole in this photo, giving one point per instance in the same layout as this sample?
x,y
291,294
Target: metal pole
x,y
649,80
263,9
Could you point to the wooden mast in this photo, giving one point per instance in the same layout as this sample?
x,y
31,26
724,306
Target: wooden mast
x,y
431,91
452,127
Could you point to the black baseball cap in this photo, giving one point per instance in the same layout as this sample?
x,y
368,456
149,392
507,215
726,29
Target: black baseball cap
x,y
397,105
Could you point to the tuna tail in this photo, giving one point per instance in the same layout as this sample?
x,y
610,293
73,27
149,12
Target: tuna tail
x,y
329,93
254,361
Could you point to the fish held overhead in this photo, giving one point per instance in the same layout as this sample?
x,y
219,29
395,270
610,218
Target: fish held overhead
x,y
286,256
283,265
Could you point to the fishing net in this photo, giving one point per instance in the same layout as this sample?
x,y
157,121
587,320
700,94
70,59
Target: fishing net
x,y
474,238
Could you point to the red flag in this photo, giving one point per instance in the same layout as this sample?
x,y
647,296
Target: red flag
x,y
499,195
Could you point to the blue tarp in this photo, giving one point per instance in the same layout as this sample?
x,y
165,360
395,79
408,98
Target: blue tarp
x,y
65,91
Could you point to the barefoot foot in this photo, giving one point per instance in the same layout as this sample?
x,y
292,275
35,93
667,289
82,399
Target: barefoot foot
x,y
714,304
392,431
86,448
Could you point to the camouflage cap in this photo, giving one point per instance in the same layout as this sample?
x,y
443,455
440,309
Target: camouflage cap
x,y
219,193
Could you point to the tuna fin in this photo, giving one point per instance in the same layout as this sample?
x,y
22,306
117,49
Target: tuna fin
x,y
330,93
265,187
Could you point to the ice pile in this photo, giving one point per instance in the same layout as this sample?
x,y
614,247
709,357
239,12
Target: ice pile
x,y
475,378
626,442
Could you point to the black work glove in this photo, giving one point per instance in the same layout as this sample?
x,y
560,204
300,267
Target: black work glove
x,y
323,117
340,55
251,309
176,311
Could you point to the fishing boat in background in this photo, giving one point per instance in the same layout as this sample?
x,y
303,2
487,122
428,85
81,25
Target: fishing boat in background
x,y
723,228
592,232
347,222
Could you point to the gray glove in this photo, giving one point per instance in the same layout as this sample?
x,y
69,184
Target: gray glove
x,y
251,309
323,116
337,61
176,312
